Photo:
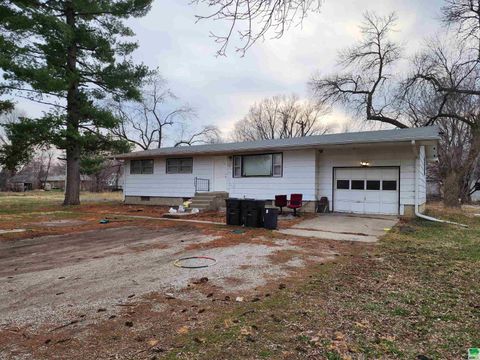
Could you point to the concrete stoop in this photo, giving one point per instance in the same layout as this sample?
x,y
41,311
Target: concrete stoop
x,y
209,200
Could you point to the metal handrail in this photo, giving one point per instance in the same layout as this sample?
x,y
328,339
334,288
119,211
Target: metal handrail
x,y
202,185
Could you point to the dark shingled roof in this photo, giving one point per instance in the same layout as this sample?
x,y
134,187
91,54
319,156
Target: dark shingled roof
x,y
366,137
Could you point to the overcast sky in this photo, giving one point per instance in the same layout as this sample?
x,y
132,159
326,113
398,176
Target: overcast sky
x,y
221,89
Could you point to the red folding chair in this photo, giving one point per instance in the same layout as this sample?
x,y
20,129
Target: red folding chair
x,y
281,201
295,202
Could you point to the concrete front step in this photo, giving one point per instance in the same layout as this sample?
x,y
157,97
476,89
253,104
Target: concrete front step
x,y
214,193
200,203
201,207
209,200
204,198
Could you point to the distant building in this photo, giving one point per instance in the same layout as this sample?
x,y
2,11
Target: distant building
x,y
57,182
24,181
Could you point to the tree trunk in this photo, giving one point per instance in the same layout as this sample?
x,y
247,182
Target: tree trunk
x,y
452,191
72,189
160,135
457,182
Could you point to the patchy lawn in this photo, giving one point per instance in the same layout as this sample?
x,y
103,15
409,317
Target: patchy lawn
x,y
41,213
414,295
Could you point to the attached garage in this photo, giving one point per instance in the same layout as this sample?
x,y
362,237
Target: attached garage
x,y
366,190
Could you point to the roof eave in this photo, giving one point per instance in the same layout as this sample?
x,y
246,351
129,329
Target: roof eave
x,y
382,142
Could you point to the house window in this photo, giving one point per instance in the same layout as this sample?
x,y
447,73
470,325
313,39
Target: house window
x,y
258,165
237,166
180,166
141,166
277,165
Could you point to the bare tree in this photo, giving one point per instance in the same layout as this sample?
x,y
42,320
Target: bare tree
x,y
365,84
207,135
442,89
253,19
143,123
464,15
6,118
281,117
46,159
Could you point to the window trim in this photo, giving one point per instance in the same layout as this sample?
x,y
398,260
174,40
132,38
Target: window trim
x,y
142,172
178,173
237,166
257,176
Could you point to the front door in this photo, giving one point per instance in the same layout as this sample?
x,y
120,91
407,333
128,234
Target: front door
x,y
220,173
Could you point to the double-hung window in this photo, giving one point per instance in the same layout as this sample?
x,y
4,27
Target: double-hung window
x,y
180,166
259,165
141,166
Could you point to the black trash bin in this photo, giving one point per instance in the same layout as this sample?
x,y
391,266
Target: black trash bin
x,y
251,217
233,211
270,217
260,205
246,207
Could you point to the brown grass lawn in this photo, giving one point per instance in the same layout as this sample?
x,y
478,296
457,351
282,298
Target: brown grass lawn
x,y
414,296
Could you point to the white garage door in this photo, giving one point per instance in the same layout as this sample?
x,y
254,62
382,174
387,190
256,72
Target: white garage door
x,y
366,190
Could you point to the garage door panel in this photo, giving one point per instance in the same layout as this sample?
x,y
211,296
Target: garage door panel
x,y
356,196
343,195
373,175
390,197
373,196
343,206
362,190
372,208
357,207
389,174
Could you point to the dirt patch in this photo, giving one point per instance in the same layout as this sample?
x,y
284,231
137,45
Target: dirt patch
x,y
59,223
114,290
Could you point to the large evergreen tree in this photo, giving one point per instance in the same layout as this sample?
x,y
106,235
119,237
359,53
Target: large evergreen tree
x,y
69,54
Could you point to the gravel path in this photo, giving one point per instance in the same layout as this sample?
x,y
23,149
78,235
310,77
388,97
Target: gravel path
x,y
55,279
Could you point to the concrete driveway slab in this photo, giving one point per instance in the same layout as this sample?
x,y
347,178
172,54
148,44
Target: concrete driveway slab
x,y
344,227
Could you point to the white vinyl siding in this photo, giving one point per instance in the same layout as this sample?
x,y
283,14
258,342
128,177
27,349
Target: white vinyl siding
x,y
421,168
168,185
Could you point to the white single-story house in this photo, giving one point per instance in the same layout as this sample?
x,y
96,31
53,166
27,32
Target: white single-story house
x,y
373,172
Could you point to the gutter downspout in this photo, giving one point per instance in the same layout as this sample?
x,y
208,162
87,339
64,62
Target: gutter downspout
x,y
417,212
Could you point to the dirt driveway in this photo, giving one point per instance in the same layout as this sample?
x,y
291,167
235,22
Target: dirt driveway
x,y
69,288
